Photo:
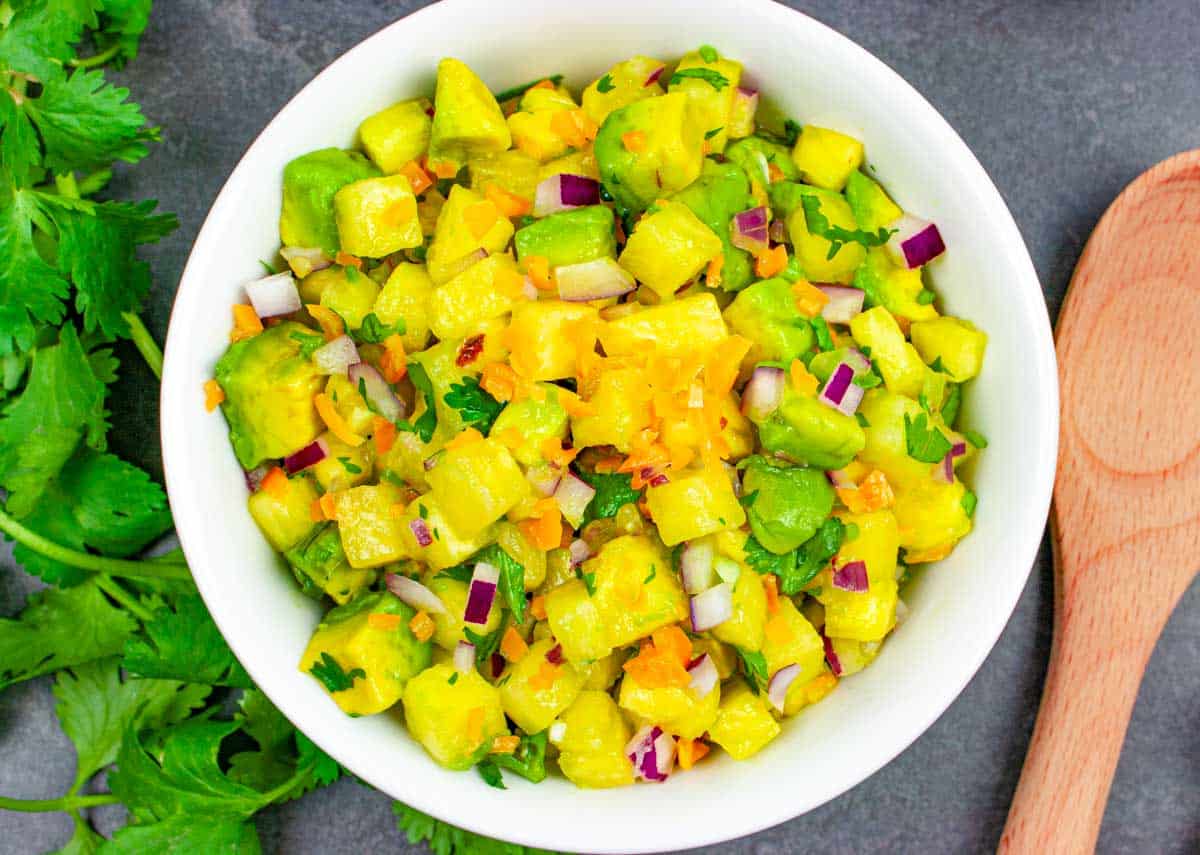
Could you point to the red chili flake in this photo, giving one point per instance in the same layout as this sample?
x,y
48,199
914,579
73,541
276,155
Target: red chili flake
x,y
724,421
554,655
470,350
658,481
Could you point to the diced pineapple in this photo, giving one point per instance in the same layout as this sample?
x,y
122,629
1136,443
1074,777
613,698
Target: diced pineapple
x,y
677,329
351,295
636,589
620,407
826,158
958,343
865,615
931,517
746,627
346,466
453,718
812,250
532,126
688,431
602,673
676,710
899,363
449,546
853,656
548,336
377,216
789,639
623,84
406,297
371,533
592,748
448,626
513,171
456,235
576,163
350,405
285,520
694,504
397,135
514,542
668,248
481,292
536,691
711,105
576,623
744,724
476,484
467,120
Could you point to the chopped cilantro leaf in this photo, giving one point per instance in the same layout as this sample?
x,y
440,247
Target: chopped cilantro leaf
x,y
426,424
925,297
754,666
650,577
952,404
821,328
791,132
715,79
976,438
612,492
749,499
490,772
605,84
589,580
352,468
709,134
375,331
867,381
512,577
969,502
331,675
708,53
924,442
478,408
862,420
813,555
937,365
309,343
818,224
486,643
269,267
518,91
461,573
453,678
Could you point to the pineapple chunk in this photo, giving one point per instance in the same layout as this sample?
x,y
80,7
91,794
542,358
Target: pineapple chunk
x,y
624,83
931,517
592,747
478,294
575,621
476,484
867,615
620,408
377,216
406,297
397,135
746,627
547,337
668,248
285,520
636,589
826,158
532,126
899,363
449,546
886,448
679,329
346,466
676,710
467,120
812,250
958,343
514,171
789,639
371,534
455,239
711,106
352,295
744,724
350,405
527,700
534,422
692,505
449,625
453,718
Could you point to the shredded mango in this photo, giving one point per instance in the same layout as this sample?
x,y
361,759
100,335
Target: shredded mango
x,y
771,587
575,406
384,434
722,366
480,218
499,381
537,607
634,140
475,725
276,484
689,751
769,262
345,259
803,381
331,322
810,299
422,626
394,362
442,168
246,323
383,621
508,204
418,178
544,679
327,410
214,395
512,646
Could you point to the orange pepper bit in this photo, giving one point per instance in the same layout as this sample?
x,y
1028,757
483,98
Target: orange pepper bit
x,y
512,646
538,268
803,380
573,127
328,503
418,178
394,362
384,434
634,140
508,204
712,277
475,726
276,484
537,607
552,449
810,299
543,84
770,262
689,751
345,259
397,510
331,322
246,323
656,669
505,744
315,513
442,168
214,395
873,494
673,641
544,679
544,529
422,627
774,173
777,630
384,621
499,381
334,421
469,436
721,369
771,587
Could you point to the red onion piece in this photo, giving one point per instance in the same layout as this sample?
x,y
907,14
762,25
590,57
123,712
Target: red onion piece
x,y
943,472
544,478
763,392
844,303
555,655
274,295
781,681
593,280
916,241
704,676
420,530
464,657
311,454
831,657
305,259
654,75
852,577
841,392
563,192
755,218
431,461
839,479
745,102
748,230
652,753
336,357
254,477
481,593
579,552
573,496
712,608
696,566
657,480
497,664
378,393
415,594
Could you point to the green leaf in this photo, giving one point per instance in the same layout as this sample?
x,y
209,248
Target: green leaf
x,y
59,629
512,577
332,676
477,408
754,667
762,560
715,79
813,555
31,290
605,84
122,23
424,426
952,404
924,442
712,132
375,331
182,834
444,839
486,643
518,91
183,643
976,438
821,329
925,297
969,502
613,491
39,37
490,773
708,53
282,752
309,343
460,572
83,840
528,760
818,224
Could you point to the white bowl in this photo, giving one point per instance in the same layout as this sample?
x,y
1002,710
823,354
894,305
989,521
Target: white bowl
x,y
959,606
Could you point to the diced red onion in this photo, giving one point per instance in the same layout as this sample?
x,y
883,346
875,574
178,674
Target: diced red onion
x,y
573,496
727,569
654,75
254,477
655,479
481,593
763,392
555,655
274,295
781,681
831,657
305,259
467,261
748,230
696,566
311,454
704,676
844,303
839,479
579,551
841,392
336,357
379,393
431,461
464,657
497,663
712,608
593,280
755,218
544,478
915,242
958,449
563,192
944,471
778,231
652,752
415,594
420,530
852,577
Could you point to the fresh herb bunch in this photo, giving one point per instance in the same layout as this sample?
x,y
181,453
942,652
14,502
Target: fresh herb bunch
x,y
146,687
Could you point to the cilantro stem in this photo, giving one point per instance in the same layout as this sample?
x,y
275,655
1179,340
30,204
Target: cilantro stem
x,y
113,588
96,59
152,569
144,342
65,803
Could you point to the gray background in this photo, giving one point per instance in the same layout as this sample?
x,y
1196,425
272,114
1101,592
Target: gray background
x,y
1063,102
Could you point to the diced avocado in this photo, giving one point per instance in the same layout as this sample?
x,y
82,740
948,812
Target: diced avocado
x,y
454,718
377,216
569,237
636,590
371,647
693,504
476,484
893,287
865,615
812,250
467,121
397,135
712,96
765,313
269,388
789,639
349,293
790,503
872,206
535,422
533,125
548,336
535,692
721,191
513,171
826,158
745,627
958,343
622,84
668,158
668,247
478,294
322,559
620,407
807,431
368,522
744,723
592,748
309,184
576,621
899,363
755,155
679,328
285,516
467,223
405,297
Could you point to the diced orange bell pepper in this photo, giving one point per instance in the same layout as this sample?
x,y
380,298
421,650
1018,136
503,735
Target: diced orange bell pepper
x,y
538,268
331,322
512,646
418,179
545,676
505,744
384,434
544,529
214,395
499,381
469,436
328,503
275,483
334,421
774,173
689,751
803,380
712,277
508,204
246,323
770,262
475,725
383,621
537,607
810,299
394,362
673,641
873,494
345,259
771,587
422,626
442,168
634,140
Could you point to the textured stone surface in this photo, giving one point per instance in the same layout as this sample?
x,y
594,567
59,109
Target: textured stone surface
x,y
1063,102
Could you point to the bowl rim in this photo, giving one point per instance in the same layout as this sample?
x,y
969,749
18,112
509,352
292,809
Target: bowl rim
x,y
1026,289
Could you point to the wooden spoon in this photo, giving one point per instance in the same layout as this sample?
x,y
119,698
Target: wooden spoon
x,y
1126,518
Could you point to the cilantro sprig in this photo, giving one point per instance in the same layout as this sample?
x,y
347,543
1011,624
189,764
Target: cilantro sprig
x,y
715,79
477,408
838,236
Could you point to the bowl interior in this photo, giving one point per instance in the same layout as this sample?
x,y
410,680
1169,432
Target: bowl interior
x,y
958,607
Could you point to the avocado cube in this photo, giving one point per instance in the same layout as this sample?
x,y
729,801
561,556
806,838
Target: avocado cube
x,y
377,216
958,343
269,389
712,105
789,639
623,84
443,713
534,707
406,297
806,431
746,627
322,560
678,329
477,294
826,158
368,523
676,710
310,183
370,641
576,622
865,615
765,313
620,408
899,363
397,135
449,546
569,237
476,484
872,207
893,287
467,121
592,749
548,337
535,422
636,589
812,250
670,159
455,237
513,171
790,503
756,155
693,504
744,724
286,519
721,191
668,248
352,295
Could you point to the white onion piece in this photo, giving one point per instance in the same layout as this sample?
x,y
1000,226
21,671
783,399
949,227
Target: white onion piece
x,y
336,357
781,681
712,608
696,566
377,391
844,303
573,496
593,280
464,657
274,295
415,594
704,676
557,731
763,392
305,259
